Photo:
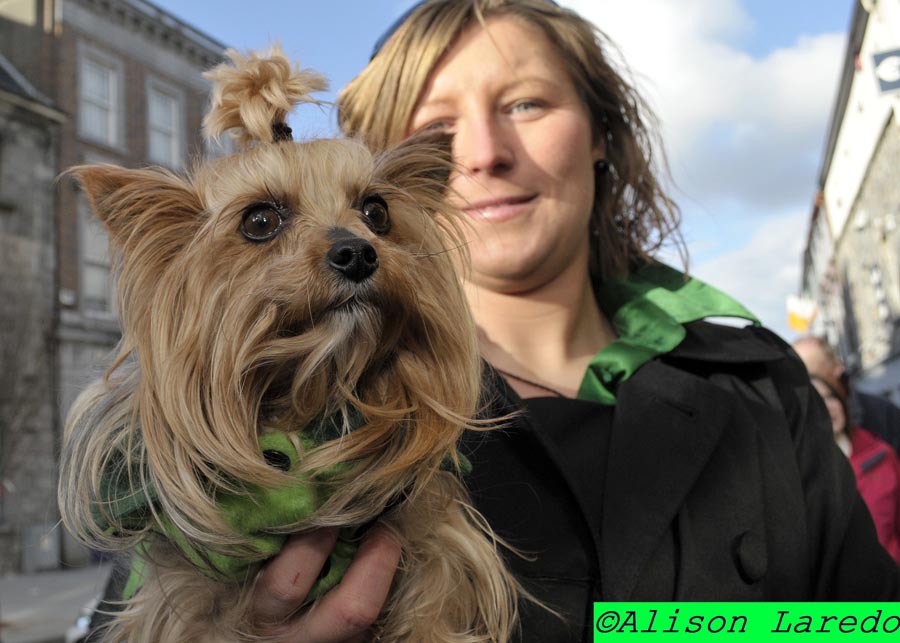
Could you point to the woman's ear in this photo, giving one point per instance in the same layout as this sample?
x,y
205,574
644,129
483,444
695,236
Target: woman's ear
x,y
598,153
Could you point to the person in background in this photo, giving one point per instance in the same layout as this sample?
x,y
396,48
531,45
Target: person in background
x,y
877,414
874,463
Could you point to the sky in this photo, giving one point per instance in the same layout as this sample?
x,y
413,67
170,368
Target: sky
x,y
743,90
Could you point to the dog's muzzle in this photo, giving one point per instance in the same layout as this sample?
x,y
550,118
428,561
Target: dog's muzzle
x,y
354,258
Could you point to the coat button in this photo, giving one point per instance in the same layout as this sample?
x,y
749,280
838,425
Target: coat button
x,y
750,556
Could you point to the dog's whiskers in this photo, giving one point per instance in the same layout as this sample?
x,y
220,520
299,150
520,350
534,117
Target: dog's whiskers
x,y
425,255
312,318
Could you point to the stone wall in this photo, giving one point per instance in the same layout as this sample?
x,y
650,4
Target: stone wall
x,y
28,437
54,343
868,255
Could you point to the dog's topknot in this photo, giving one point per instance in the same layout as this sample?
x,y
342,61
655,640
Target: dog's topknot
x,y
253,95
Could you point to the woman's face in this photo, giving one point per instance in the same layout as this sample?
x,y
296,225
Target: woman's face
x,y
835,408
523,143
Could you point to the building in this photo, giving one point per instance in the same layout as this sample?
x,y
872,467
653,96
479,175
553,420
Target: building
x,y
127,75
29,139
851,265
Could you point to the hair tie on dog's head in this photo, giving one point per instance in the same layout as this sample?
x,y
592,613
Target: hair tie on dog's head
x,y
281,132
253,95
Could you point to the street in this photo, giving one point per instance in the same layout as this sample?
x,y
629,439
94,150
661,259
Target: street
x,y
38,608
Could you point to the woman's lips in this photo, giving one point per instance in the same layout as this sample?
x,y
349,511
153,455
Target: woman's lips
x,y
499,209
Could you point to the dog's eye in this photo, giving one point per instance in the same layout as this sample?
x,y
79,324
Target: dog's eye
x,y
375,211
261,222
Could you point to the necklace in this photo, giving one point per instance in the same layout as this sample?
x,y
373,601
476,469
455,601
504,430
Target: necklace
x,y
529,382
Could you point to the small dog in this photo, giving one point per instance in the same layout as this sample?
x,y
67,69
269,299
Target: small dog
x,y
297,352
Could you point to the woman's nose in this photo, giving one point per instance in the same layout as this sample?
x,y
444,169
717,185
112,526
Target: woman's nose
x,y
483,146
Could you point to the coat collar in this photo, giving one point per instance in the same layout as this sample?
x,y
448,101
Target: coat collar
x,y
721,344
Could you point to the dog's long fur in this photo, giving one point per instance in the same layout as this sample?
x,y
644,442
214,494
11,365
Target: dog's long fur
x,y
225,339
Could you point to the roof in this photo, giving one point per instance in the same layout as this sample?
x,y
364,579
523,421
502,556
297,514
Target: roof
x,y
857,30
177,25
15,88
12,81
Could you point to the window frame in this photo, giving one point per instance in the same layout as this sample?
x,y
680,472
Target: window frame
x,y
177,148
115,129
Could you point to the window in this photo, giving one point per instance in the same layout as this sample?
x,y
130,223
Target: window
x,y
96,275
99,101
164,120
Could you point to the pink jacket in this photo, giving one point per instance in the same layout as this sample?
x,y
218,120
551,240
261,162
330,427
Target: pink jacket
x,y
877,470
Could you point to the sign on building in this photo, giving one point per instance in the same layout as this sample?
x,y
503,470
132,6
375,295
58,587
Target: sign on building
x,y
887,70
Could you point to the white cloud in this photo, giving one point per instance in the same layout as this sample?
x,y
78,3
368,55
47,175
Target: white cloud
x,y
744,134
737,128
763,272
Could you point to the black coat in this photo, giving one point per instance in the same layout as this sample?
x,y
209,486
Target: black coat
x,y
722,483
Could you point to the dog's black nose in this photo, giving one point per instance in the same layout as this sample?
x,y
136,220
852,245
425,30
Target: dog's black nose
x,y
354,258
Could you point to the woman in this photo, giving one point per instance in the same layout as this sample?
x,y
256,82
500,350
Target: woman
x,y
660,457
874,463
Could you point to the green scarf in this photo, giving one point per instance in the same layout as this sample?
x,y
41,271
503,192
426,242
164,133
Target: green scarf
x,y
259,513
648,310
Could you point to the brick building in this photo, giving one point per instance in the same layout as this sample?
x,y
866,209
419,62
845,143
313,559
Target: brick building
x,y
127,75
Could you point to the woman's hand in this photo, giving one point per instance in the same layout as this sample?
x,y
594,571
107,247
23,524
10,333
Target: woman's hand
x,y
344,614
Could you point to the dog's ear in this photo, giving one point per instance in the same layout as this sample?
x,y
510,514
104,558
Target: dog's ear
x,y
133,204
422,161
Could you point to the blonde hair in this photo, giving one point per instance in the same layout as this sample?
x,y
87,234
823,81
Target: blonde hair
x,y
632,216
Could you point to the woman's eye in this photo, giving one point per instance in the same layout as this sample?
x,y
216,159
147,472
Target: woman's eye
x,y
524,106
436,126
261,222
375,211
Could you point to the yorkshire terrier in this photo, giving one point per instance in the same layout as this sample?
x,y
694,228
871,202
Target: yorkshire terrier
x,y
297,352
